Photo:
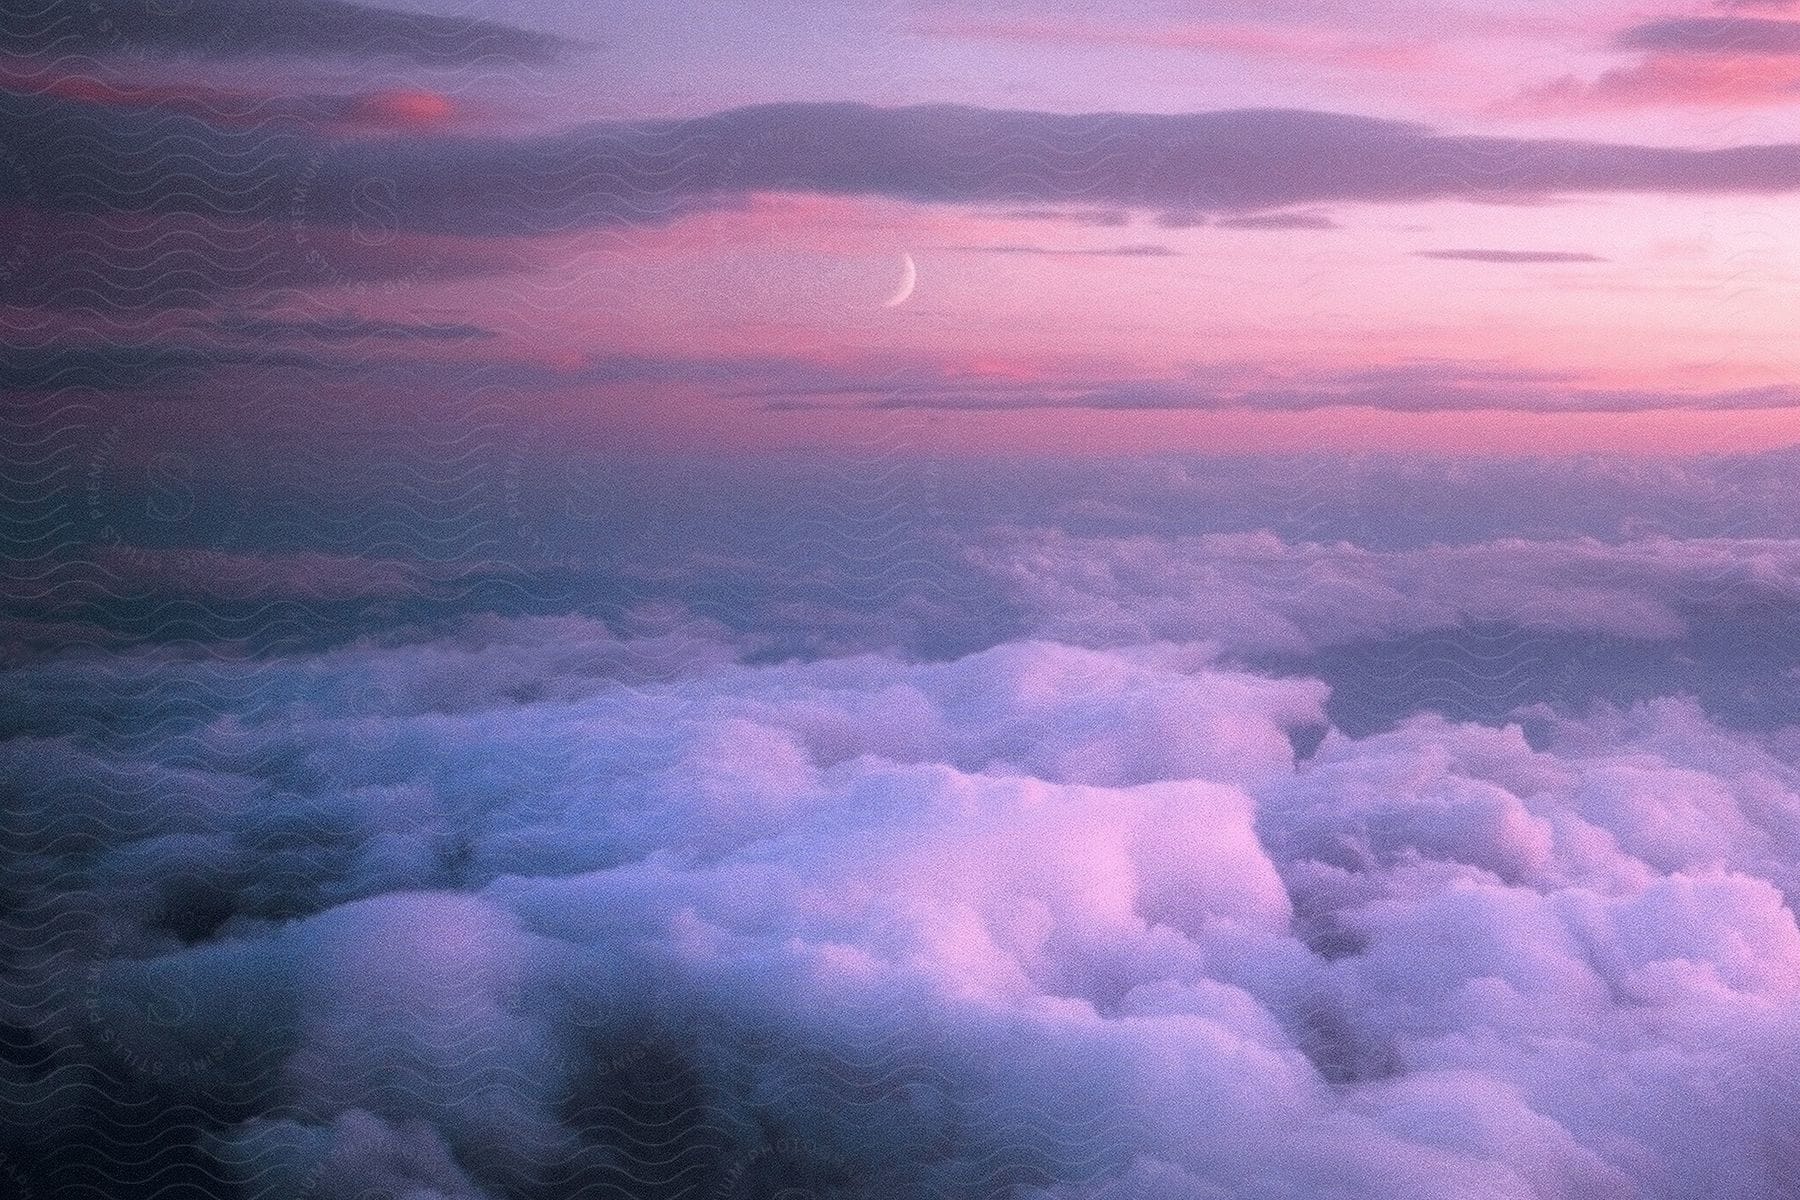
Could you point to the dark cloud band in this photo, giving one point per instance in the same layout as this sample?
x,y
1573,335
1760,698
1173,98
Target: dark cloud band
x,y
94,159
247,29
1714,35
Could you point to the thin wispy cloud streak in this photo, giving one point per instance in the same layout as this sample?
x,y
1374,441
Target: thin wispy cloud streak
x,y
1511,256
1713,35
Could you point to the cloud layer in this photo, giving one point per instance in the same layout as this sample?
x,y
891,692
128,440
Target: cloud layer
x,y
1255,593
533,907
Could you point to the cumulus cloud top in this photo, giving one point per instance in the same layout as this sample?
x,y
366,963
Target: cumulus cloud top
x,y
537,906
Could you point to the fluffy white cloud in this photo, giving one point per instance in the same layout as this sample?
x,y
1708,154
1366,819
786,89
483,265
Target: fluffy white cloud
x,y
1256,593
533,907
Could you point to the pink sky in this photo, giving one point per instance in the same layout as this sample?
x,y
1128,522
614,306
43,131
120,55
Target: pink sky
x,y
757,316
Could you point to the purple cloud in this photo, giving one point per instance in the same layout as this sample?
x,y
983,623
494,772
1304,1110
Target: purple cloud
x,y
1278,220
90,159
1141,250
347,327
1104,217
1713,35
464,933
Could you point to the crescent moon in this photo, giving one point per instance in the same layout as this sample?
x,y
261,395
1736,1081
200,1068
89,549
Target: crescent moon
x,y
909,278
